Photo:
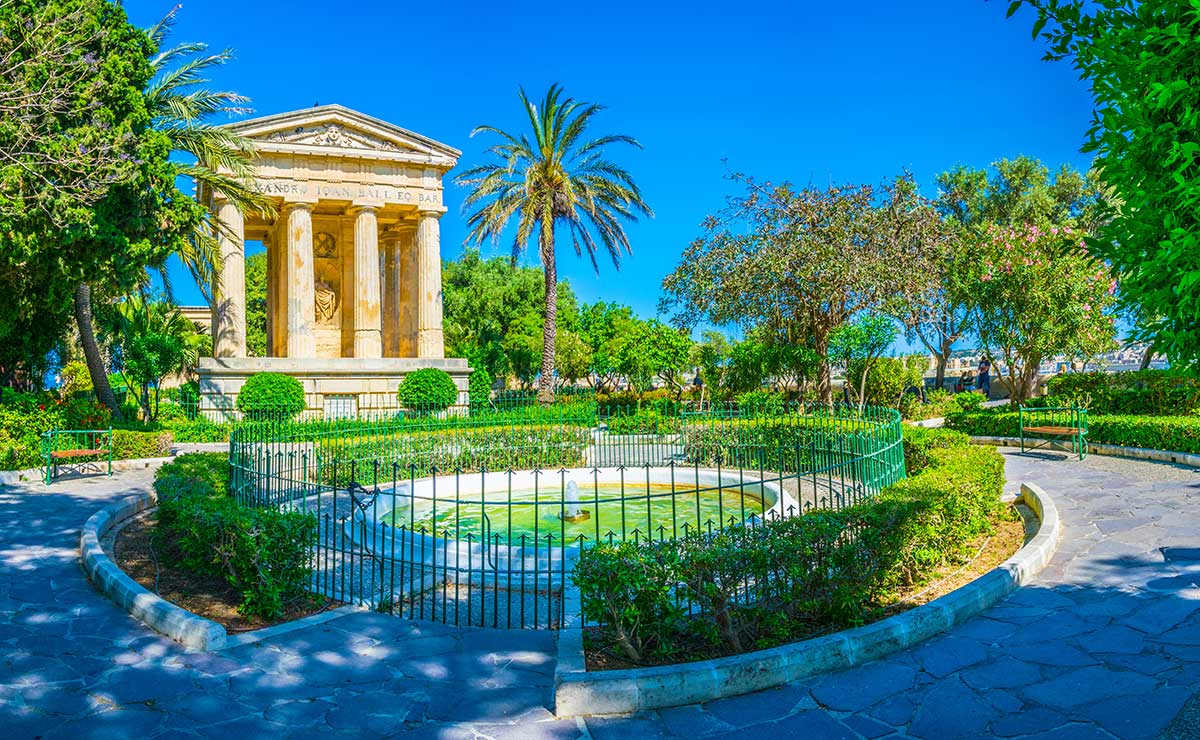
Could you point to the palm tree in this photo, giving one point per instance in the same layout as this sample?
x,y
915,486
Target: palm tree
x,y
156,341
214,159
558,179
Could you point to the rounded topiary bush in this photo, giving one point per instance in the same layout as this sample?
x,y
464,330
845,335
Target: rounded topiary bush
x,y
428,389
271,395
479,388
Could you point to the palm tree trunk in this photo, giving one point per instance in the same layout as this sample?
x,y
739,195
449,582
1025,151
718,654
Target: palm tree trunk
x,y
91,351
549,319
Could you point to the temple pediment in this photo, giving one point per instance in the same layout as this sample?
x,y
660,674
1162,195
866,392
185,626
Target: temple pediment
x,y
333,130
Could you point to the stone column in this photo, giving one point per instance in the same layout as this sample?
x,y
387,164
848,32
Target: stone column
x,y
406,303
368,340
272,248
301,311
389,291
229,297
430,343
277,278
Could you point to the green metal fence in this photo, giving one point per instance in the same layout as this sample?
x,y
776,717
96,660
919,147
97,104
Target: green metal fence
x,y
476,517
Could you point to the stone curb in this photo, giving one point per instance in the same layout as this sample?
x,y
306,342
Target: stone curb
x,y
193,632
1135,453
579,692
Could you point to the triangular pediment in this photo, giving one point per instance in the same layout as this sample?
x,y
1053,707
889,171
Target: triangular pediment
x,y
336,129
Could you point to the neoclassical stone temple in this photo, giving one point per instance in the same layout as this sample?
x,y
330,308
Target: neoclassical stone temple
x,y
353,260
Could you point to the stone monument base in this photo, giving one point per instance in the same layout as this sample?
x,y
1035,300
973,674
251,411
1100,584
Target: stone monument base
x,y
342,387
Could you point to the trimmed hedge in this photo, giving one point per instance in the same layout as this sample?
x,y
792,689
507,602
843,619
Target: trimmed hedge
x,y
1156,392
479,388
753,587
646,421
785,443
263,553
129,445
402,454
272,395
428,389
1174,433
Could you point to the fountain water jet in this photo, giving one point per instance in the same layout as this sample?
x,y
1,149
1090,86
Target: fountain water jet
x,y
574,513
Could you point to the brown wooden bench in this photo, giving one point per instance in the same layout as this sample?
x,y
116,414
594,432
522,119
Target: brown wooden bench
x,y
1056,423
59,446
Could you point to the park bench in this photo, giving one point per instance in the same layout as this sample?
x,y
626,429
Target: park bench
x,y
77,447
1055,423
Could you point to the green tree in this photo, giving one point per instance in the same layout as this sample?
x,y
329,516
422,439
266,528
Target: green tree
x,y
557,179
1019,191
710,357
652,349
155,341
484,302
1036,293
1142,62
572,357
256,305
1011,192
522,349
808,259
212,158
602,325
857,345
85,186
747,369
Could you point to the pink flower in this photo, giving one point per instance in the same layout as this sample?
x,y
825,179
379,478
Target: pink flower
x,y
986,277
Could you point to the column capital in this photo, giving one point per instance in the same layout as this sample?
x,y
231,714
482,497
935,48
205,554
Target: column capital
x,y
356,209
295,205
435,213
399,230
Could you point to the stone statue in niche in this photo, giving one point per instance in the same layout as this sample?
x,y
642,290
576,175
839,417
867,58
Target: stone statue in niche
x,y
325,246
325,302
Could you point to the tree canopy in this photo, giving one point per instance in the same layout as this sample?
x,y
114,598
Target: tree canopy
x,y
809,258
87,192
1142,62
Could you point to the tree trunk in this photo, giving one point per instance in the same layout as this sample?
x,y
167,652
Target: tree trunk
x,y
549,319
1147,357
943,359
91,351
824,374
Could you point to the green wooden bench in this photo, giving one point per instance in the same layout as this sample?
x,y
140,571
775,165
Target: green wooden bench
x,y
76,447
1055,423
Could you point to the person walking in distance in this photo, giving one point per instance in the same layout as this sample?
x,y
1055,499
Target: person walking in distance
x,y
983,380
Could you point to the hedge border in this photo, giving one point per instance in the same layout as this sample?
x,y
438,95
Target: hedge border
x,y
194,632
580,692
1190,459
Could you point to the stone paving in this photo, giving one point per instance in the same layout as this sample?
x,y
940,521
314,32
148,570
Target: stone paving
x,y
1105,644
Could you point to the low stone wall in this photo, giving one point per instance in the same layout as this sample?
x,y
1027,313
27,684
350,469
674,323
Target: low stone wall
x,y
192,631
581,692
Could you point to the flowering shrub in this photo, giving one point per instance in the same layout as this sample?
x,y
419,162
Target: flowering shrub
x,y
1037,293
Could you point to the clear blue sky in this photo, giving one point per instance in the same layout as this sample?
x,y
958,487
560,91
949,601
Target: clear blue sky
x,y
804,91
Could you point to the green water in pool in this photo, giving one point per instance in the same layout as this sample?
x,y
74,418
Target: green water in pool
x,y
607,508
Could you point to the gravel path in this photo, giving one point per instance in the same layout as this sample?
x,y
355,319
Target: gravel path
x,y
1105,644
